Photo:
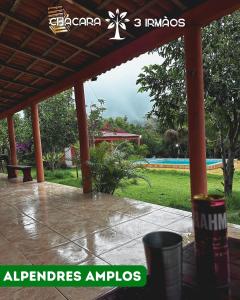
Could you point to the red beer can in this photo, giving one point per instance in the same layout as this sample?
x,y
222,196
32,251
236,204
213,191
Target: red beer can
x,y
211,243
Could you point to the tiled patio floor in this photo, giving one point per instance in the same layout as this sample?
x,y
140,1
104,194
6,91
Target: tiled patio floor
x,y
54,224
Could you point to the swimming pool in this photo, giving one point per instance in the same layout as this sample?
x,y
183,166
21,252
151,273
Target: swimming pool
x,y
178,163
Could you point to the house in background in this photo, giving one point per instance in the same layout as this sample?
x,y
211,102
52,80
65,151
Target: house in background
x,y
107,134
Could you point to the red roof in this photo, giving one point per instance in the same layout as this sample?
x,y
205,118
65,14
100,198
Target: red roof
x,y
37,64
123,134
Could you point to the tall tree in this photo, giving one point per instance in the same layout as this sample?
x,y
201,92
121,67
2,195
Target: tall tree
x,y
166,85
58,122
3,136
95,120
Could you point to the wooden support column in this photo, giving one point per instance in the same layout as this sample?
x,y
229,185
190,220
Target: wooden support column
x,y
12,141
37,143
83,135
196,113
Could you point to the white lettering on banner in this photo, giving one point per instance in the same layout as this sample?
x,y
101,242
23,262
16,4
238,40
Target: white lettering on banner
x,y
59,21
211,222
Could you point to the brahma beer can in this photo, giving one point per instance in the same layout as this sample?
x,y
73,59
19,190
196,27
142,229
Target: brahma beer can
x,y
211,244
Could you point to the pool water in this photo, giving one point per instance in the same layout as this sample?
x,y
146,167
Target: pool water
x,y
177,161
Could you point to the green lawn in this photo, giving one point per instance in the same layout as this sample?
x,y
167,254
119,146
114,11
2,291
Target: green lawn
x,y
171,188
168,187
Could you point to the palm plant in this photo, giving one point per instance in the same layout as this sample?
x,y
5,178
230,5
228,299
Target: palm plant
x,y
109,168
52,159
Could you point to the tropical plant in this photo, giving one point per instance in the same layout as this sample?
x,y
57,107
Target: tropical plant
x,y
109,168
52,159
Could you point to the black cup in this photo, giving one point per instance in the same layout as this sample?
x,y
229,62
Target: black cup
x,y
163,250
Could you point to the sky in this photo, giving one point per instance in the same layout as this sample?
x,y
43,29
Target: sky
x,y
118,88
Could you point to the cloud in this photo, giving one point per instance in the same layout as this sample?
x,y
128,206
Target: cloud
x,y
118,87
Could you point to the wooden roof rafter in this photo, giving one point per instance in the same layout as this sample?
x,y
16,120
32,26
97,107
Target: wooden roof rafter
x,y
10,99
146,6
35,56
13,18
25,41
12,9
84,67
179,4
3,103
5,89
18,83
104,4
25,71
35,29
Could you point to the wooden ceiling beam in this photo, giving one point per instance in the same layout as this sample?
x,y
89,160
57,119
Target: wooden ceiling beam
x,y
13,67
12,100
34,82
143,8
3,103
12,9
13,18
200,15
103,4
179,4
3,25
18,83
25,41
4,89
99,37
30,54
44,19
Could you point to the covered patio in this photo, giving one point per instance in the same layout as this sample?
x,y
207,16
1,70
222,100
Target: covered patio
x,y
45,223
38,62
97,229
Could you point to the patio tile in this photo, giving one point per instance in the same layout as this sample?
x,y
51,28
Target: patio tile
x,y
3,240
8,293
130,201
161,218
135,228
103,241
74,231
131,253
32,206
68,253
182,226
48,216
38,243
234,232
177,211
49,223
140,209
37,293
83,293
94,261
16,232
112,218
21,220
9,255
